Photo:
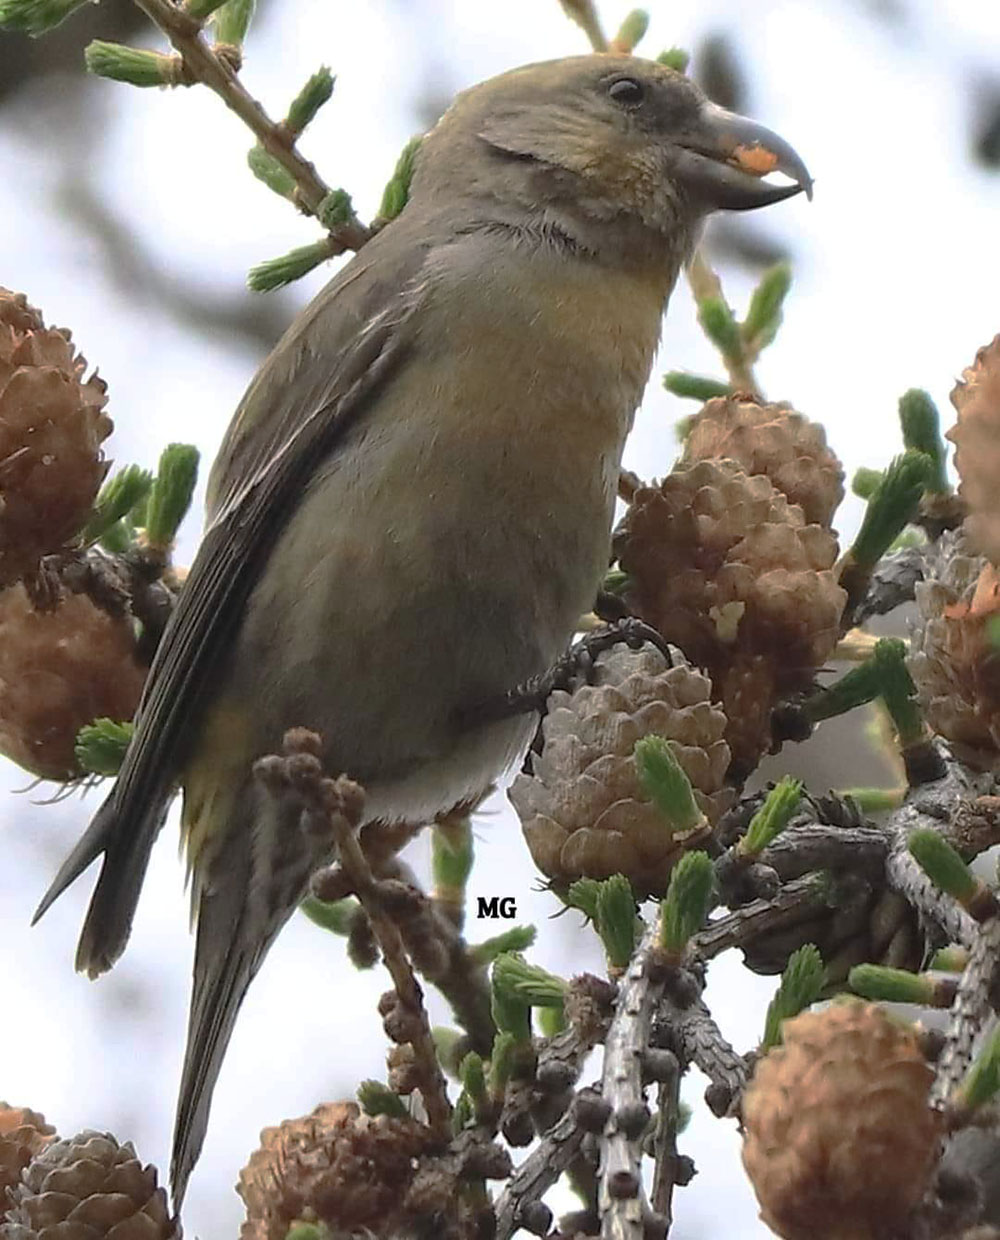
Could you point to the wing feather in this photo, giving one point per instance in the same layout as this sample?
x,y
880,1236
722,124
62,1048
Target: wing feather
x,y
293,416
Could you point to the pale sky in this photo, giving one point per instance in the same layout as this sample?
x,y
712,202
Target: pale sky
x,y
897,275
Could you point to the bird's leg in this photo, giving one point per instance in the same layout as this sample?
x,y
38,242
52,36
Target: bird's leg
x,y
570,669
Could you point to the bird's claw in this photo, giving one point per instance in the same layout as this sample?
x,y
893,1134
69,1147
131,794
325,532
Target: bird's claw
x,y
576,666
570,670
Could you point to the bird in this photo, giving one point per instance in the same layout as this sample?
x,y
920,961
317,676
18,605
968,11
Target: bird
x,y
412,505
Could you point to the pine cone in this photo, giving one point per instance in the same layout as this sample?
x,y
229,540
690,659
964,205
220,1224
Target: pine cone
x,y
976,437
775,441
86,1188
582,810
23,1134
955,659
722,565
60,670
839,1140
336,1166
52,425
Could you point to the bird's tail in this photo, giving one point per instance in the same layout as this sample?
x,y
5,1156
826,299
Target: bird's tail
x,y
222,975
126,841
248,883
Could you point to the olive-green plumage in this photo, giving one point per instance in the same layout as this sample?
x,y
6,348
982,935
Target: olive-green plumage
x,y
412,505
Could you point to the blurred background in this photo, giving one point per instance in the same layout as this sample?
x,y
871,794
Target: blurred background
x,y
130,216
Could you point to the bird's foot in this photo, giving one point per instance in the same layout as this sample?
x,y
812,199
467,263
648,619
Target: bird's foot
x,y
570,670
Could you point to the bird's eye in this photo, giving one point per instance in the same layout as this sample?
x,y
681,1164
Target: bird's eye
x,y
626,91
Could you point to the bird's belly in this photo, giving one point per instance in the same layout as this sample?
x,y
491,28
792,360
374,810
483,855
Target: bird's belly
x,y
408,615
459,775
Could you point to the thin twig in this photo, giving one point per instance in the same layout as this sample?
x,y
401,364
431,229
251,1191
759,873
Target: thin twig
x,y
334,808
759,917
620,1196
205,66
909,879
539,1171
134,584
396,961
670,1069
959,806
935,806
971,1009
700,1042
565,1052
665,1148
812,846
440,953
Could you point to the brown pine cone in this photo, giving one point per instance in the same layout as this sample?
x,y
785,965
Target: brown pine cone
x,y
976,437
23,1134
52,425
723,566
955,659
335,1166
582,810
60,670
86,1188
839,1139
775,441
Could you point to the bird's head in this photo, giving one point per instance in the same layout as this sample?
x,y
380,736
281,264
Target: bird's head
x,y
595,140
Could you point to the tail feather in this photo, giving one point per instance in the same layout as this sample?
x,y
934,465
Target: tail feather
x,y
220,986
95,840
126,843
108,923
246,890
